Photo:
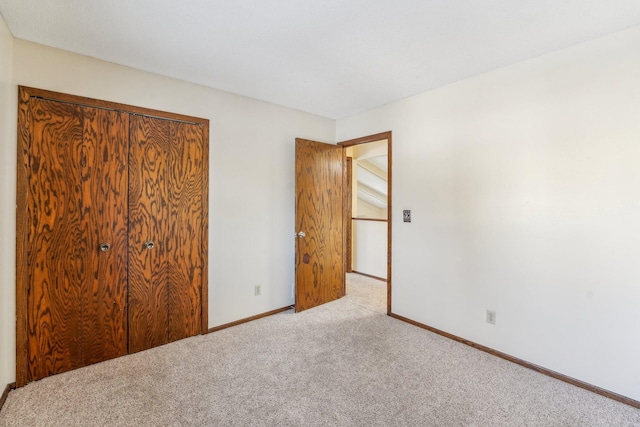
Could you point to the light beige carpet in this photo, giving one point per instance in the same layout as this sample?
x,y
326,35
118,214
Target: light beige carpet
x,y
341,364
367,292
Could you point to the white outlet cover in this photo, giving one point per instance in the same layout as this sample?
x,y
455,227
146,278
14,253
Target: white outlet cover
x,y
491,317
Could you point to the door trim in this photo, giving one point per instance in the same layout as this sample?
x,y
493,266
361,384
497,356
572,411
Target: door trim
x,y
24,137
364,140
348,229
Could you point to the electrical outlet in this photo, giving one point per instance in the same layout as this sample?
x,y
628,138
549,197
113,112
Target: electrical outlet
x,y
258,290
406,215
491,317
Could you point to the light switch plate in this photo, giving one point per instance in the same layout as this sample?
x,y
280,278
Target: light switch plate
x,y
406,215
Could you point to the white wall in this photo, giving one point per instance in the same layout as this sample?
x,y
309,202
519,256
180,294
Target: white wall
x,y
524,185
367,210
370,247
251,173
525,189
8,96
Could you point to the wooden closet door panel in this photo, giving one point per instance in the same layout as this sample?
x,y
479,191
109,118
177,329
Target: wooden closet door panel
x,y
55,249
184,246
104,208
148,221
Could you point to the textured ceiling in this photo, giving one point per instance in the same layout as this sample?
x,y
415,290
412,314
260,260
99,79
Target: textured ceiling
x,y
333,58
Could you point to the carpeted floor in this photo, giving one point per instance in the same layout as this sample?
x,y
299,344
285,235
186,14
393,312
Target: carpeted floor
x,y
367,292
341,364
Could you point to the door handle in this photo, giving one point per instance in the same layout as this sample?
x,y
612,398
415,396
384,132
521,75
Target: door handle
x,y
149,244
301,234
104,247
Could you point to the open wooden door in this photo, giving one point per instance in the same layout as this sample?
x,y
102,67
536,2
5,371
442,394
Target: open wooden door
x,y
320,243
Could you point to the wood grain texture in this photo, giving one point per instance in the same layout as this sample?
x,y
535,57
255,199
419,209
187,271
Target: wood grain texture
x,y
320,261
537,368
104,167
148,221
99,103
348,214
184,244
77,198
366,139
204,241
389,217
85,150
22,232
54,254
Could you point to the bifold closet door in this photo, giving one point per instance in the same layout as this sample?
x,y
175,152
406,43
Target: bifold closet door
x,y
166,181
186,238
76,243
111,227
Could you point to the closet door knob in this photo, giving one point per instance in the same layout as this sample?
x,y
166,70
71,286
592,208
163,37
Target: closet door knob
x,y
104,247
149,244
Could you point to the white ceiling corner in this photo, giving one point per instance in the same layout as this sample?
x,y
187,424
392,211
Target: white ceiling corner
x,y
333,58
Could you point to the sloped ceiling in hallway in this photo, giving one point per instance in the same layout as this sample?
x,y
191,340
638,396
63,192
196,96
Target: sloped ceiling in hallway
x,y
333,58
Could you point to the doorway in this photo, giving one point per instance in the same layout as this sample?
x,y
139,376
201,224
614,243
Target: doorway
x,y
368,208
324,219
